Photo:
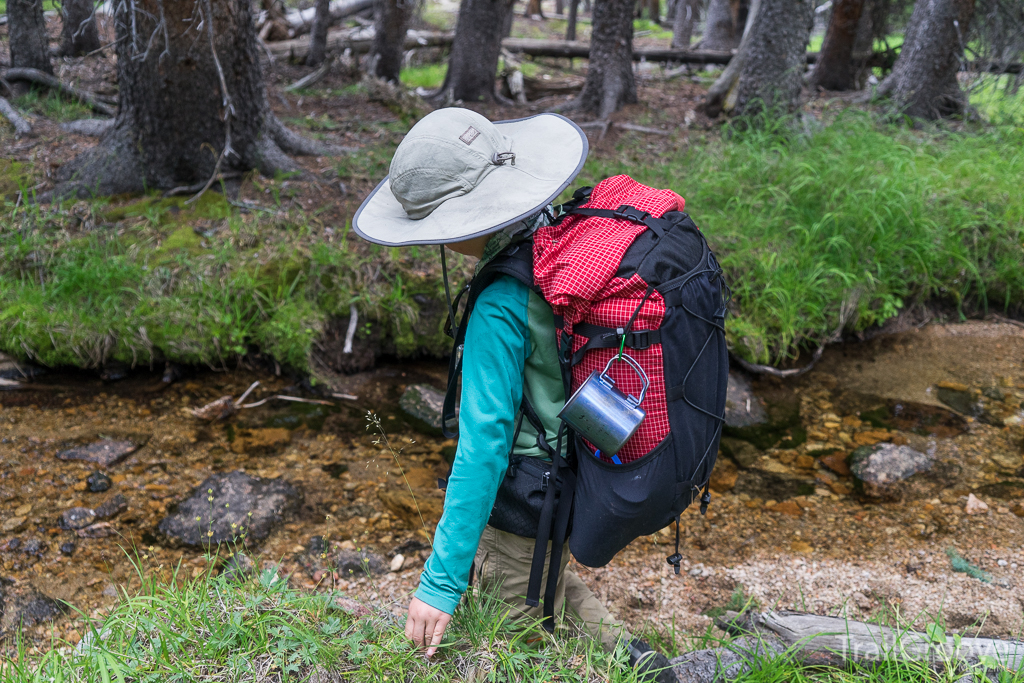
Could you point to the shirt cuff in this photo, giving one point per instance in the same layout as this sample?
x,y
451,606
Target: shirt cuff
x,y
445,603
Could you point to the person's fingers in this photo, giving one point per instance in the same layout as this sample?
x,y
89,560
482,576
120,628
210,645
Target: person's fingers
x,y
409,624
436,634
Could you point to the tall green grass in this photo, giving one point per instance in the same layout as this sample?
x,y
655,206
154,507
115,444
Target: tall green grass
x,y
258,628
814,225
806,220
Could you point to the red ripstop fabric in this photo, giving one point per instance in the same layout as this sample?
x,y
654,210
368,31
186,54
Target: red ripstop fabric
x,y
574,264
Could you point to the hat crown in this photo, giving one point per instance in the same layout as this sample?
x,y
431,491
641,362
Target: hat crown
x,y
445,155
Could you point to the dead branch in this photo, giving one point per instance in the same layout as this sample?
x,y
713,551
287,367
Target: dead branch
x,y
301,21
312,78
189,189
815,640
91,127
642,129
84,96
21,126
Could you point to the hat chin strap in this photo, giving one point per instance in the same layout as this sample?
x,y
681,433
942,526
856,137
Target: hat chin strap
x,y
448,292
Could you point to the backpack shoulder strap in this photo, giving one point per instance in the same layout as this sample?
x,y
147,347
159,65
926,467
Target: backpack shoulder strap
x,y
516,261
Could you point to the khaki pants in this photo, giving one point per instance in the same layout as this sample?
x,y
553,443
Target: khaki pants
x,y
503,563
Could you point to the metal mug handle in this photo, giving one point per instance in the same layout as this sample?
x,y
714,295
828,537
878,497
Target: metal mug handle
x,y
636,366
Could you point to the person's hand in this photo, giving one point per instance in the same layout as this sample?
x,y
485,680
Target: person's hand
x,y
425,625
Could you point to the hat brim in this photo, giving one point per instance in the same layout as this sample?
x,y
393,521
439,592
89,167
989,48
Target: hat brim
x,y
550,151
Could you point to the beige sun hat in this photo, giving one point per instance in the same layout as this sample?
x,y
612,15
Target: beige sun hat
x,y
457,176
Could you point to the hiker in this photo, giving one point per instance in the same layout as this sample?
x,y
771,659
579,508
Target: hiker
x,y
485,189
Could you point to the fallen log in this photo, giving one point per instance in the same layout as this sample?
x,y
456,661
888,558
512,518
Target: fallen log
x,y
91,127
21,126
298,48
84,96
301,21
337,41
815,640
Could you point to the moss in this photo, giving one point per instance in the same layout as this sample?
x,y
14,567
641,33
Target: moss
x,y
14,177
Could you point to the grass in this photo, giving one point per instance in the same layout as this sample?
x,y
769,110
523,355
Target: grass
x,y
814,225
52,105
855,216
255,627
429,76
157,278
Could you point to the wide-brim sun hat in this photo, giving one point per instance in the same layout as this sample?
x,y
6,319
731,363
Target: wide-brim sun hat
x,y
457,176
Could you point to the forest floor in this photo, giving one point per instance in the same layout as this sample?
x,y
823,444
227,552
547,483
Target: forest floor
x,y
833,208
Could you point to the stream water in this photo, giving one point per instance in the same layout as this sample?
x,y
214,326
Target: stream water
x,y
788,526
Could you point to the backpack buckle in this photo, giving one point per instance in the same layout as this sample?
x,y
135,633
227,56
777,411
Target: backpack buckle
x,y
630,213
544,481
641,340
674,560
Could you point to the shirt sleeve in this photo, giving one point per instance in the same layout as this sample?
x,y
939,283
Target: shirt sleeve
x,y
496,347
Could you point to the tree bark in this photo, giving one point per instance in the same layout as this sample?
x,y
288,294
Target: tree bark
x,y
609,83
654,10
560,7
720,32
390,22
78,35
683,23
923,81
192,102
533,9
570,30
767,71
318,36
473,63
835,69
26,30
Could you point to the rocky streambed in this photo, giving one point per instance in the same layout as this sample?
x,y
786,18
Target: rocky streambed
x,y
856,489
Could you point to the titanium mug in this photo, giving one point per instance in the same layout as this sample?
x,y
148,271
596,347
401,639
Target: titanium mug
x,y
601,413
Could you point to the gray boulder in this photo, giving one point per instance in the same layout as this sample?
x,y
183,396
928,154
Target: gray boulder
x,y
424,404
105,452
878,468
742,407
232,507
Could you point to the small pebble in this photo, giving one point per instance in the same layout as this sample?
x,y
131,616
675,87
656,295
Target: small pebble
x,y
397,561
67,548
1001,563
98,482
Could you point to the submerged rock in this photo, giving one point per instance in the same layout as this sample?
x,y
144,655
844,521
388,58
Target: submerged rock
x,y
76,518
349,563
22,606
112,507
743,453
881,466
231,507
97,482
423,403
764,419
742,407
105,452
772,485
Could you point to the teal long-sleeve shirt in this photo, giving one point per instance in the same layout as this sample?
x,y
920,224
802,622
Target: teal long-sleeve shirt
x,y
498,353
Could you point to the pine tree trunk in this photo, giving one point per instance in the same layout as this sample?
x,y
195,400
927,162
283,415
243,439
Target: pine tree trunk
x,y
720,32
835,69
768,68
318,35
609,83
570,29
533,9
923,81
175,118
78,34
560,7
390,22
685,19
26,30
473,63
654,10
